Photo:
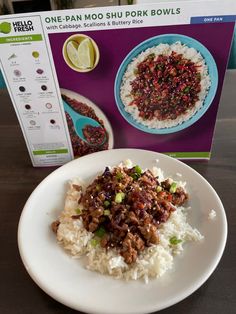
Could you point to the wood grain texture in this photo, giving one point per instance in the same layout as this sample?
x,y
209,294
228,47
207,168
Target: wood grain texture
x,y
20,295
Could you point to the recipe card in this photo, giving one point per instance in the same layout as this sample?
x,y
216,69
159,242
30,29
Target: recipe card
x,y
141,76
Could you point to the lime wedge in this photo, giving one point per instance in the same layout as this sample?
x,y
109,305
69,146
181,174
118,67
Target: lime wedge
x,y
86,54
72,52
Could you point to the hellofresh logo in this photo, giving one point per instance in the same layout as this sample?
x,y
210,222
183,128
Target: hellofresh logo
x,y
17,27
5,27
23,26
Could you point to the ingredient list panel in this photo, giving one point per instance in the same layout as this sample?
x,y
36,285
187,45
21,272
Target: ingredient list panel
x,y
28,72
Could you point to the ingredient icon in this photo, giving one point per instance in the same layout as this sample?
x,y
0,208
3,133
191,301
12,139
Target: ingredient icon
x,y
35,54
13,56
17,73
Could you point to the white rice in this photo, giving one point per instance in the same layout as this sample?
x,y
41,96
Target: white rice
x,y
165,49
212,215
153,262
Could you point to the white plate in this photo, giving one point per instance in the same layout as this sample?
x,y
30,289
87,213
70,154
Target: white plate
x,y
66,280
99,113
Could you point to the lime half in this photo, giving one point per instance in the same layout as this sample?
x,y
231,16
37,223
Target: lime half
x,y
72,52
86,54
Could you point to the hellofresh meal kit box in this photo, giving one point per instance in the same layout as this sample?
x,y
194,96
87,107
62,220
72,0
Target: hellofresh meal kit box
x,y
141,76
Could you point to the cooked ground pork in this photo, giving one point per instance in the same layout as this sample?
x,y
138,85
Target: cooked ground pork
x,y
124,207
136,256
165,86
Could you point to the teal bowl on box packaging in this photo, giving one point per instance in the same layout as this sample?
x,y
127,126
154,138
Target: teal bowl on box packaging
x,y
232,59
168,39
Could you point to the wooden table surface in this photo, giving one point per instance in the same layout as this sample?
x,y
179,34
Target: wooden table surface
x,y
20,295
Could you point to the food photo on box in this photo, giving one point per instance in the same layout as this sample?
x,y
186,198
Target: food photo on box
x,y
162,85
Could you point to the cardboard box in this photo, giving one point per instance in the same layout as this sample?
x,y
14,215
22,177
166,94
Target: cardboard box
x,y
150,75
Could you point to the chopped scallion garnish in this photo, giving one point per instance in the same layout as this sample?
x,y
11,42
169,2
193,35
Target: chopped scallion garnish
x,y
106,204
100,232
135,176
119,176
173,187
174,240
94,242
152,55
119,197
187,89
106,212
159,188
137,169
78,211
98,187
